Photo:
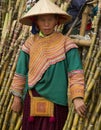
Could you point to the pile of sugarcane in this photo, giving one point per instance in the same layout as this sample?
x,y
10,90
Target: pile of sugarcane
x,y
92,70
14,34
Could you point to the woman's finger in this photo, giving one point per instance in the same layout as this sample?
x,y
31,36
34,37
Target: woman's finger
x,y
81,113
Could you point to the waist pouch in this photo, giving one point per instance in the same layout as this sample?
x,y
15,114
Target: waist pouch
x,y
40,106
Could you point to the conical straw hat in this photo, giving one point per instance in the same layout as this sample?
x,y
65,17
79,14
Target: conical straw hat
x,y
43,7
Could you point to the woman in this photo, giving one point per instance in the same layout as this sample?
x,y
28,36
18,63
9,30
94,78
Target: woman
x,y
47,63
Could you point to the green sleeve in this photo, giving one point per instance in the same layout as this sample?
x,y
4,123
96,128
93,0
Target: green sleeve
x,y
22,64
73,60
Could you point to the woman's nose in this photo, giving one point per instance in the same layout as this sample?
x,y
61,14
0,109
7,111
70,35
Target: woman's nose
x,y
46,23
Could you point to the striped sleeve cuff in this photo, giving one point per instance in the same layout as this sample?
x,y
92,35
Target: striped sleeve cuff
x,y
15,93
17,85
77,91
76,83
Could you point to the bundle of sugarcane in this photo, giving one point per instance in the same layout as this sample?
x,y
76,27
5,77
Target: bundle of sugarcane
x,y
92,69
13,36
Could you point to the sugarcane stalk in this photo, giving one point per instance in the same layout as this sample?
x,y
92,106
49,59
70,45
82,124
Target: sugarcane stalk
x,y
17,4
90,86
80,124
7,30
99,125
85,17
4,84
21,9
75,121
92,59
13,120
7,115
2,74
59,2
3,32
87,60
10,19
3,112
88,115
8,54
19,123
16,8
11,32
81,42
96,126
66,5
12,44
8,97
0,19
5,25
62,6
95,114
2,12
2,117
9,4
94,66
69,120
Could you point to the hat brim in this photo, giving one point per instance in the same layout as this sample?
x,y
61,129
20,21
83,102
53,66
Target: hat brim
x,y
29,20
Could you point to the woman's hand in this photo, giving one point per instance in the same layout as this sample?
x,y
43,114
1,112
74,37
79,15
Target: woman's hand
x,y
80,106
17,105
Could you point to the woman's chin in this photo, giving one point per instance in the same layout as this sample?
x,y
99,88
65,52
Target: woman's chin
x,y
47,32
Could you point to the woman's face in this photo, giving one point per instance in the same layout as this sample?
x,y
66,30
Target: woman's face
x,y
46,23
